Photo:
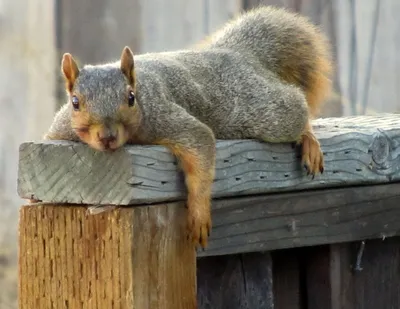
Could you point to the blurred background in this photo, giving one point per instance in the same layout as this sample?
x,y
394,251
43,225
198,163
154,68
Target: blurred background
x,y
34,34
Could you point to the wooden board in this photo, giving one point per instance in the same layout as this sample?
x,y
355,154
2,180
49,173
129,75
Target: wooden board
x,y
376,285
278,221
125,258
262,223
334,283
287,279
317,266
235,282
357,150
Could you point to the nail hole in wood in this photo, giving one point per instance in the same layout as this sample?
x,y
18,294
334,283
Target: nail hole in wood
x,y
335,172
226,160
163,182
358,169
238,178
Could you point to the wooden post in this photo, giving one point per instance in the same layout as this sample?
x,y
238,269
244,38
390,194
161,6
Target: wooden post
x,y
130,257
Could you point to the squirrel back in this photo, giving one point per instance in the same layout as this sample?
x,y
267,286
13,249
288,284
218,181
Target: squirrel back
x,y
285,43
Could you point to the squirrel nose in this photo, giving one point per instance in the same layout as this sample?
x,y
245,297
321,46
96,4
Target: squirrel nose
x,y
107,139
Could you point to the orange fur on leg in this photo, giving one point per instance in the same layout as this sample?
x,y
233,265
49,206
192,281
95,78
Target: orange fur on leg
x,y
312,156
199,176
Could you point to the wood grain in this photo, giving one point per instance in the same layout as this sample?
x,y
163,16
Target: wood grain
x,y
333,282
357,150
317,284
125,258
277,221
286,279
377,284
235,282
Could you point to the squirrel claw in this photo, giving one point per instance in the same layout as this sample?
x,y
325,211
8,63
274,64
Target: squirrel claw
x,y
199,228
312,156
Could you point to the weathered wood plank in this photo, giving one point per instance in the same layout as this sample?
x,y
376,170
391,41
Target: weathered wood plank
x,y
358,150
125,258
318,285
286,279
235,282
376,285
258,223
336,284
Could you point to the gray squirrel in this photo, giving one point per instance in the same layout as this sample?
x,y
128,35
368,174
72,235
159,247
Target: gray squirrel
x,y
261,76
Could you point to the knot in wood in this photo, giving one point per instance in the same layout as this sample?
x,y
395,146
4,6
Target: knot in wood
x,y
380,148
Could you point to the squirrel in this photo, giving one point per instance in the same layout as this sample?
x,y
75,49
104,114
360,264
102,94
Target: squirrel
x,y
263,75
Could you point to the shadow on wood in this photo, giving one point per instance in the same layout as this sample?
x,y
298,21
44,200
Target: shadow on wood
x,y
235,282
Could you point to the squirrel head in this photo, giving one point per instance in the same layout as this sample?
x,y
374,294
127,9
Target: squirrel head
x,y
104,113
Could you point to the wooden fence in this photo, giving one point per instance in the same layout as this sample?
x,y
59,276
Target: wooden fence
x,y
285,241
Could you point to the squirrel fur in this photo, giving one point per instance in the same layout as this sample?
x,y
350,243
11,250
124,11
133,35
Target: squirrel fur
x,y
262,76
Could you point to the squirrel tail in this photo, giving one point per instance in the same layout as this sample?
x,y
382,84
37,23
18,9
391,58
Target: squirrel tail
x,y
285,43
319,85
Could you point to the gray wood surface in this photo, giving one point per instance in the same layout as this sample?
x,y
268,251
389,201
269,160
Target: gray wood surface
x,y
298,219
235,282
287,279
333,282
358,150
376,285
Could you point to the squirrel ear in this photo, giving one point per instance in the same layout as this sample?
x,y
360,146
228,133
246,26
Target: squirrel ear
x,y
127,64
70,70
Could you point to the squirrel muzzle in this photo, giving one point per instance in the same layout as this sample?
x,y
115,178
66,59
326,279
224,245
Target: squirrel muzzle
x,y
105,137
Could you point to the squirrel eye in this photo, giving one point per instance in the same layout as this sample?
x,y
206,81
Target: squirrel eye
x,y
131,98
75,102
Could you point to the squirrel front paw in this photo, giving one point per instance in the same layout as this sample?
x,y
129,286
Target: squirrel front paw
x,y
199,225
312,156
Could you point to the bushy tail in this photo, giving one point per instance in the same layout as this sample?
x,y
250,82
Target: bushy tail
x,y
285,43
